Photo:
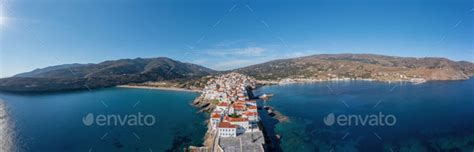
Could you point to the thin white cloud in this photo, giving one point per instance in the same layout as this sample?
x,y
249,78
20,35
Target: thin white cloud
x,y
199,61
299,54
233,64
248,52
233,58
227,44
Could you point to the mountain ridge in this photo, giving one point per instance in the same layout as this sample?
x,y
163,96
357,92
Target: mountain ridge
x,y
103,74
361,66
314,67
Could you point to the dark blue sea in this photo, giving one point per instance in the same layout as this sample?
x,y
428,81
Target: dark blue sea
x,y
53,122
432,116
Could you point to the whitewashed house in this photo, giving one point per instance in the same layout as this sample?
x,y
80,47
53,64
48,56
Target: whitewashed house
x,y
225,129
215,120
222,106
241,123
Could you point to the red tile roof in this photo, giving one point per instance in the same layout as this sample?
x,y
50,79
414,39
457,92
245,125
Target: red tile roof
x,y
230,119
248,113
215,115
224,104
238,107
253,107
239,103
225,125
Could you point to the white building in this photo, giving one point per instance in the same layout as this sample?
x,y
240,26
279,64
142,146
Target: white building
x,y
242,124
252,108
222,106
251,116
251,102
215,120
226,129
237,109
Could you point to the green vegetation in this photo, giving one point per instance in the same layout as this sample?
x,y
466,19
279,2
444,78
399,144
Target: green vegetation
x,y
215,101
234,115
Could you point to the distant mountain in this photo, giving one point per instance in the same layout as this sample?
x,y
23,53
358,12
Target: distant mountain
x,y
315,67
360,66
41,72
105,74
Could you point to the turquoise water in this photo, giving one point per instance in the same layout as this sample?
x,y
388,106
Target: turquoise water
x,y
54,121
433,116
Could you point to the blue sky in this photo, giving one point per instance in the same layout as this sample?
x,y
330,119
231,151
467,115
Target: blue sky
x,y
227,34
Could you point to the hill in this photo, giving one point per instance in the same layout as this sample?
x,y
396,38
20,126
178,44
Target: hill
x,y
165,72
360,66
105,74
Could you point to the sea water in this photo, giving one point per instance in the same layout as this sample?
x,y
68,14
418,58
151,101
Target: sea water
x,y
59,121
432,116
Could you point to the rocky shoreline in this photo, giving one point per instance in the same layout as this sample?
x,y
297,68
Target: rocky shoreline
x,y
158,88
203,105
214,141
300,80
206,106
276,114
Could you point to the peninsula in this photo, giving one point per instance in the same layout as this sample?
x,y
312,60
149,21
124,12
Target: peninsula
x,y
234,120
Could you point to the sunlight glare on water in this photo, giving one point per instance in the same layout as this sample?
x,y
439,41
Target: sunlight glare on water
x,y
5,130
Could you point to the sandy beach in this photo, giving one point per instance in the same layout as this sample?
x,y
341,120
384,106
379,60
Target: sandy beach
x,y
157,88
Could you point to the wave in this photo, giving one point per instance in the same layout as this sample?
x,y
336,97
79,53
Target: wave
x,y
6,134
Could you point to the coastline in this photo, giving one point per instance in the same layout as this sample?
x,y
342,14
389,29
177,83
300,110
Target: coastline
x,y
158,88
296,81
223,96
313,80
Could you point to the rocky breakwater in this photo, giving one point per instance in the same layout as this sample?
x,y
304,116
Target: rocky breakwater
x,y
276,114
